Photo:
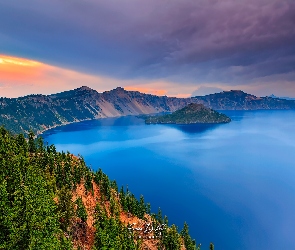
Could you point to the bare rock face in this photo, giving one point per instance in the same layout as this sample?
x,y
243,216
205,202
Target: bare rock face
x,y
40,112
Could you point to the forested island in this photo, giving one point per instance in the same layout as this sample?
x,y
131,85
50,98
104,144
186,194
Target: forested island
x,y
41,112
52,200
192,113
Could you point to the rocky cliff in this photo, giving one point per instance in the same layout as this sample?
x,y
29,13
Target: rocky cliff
x,y
40,112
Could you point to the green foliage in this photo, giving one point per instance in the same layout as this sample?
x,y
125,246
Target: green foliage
x,y
159,216
36,207
114,185
192,113
32,145
30,218
65,208
188,242
81,210
111,233
171,239
88,181
211,246
37,112
102,180
148,208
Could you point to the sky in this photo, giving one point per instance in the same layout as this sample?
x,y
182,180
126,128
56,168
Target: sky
x,y
166,47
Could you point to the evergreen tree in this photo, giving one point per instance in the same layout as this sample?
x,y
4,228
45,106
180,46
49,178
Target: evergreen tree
x,y
81,210
141,208
36,207
171,239
188,242
65,208
159,216
32,145
148,208
211,246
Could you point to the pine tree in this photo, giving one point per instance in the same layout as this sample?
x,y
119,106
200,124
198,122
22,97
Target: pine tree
x,y
171,239
32,145
65,208
141,207
188,242
36,208
148,208
81,210
159,216
211,246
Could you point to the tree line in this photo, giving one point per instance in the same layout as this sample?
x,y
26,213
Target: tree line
x,y
37,210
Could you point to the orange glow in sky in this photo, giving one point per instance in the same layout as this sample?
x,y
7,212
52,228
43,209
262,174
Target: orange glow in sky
x,y
147,90
8,60
19,77
13,69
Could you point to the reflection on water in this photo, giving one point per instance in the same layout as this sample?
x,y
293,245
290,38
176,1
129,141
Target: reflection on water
x,y
194,128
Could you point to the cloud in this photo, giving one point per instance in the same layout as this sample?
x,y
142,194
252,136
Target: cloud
x,y
21,76
204,41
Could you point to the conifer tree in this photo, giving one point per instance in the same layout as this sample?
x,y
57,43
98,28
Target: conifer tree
x,y
211,246
81,210
65,207
159,216
171,239
188,242
32,145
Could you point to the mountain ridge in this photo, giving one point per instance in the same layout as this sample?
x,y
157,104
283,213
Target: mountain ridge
x,y
41,112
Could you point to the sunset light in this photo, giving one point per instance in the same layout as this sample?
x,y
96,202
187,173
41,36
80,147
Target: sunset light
x,y
189,104
8,60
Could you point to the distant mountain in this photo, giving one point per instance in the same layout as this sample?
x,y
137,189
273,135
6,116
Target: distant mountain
x,y
40,112
239,100
192,113
282,97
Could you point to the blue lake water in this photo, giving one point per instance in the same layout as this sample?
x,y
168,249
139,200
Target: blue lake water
x,y
233,183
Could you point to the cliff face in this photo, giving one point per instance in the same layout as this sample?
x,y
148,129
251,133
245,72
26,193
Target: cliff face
x,y
39,112
239,100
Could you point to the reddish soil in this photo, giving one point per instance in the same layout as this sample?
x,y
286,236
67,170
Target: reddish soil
x,y
85,234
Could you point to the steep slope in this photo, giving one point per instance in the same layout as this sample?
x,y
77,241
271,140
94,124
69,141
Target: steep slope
x,y
192,113
52,200
40,112
239,100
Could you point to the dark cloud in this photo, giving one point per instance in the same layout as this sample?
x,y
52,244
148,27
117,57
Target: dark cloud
x,y
203,40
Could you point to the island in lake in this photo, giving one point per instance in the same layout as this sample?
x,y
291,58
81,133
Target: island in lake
x,y
192,113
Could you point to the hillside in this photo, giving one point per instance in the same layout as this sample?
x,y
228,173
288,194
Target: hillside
x,y
52,200
40,112
192,113
239,100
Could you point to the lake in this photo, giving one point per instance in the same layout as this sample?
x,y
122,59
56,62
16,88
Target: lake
x,y
234,184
